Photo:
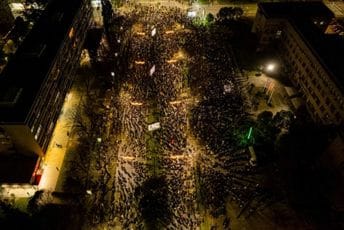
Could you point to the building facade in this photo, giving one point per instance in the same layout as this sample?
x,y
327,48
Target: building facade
x,y
35,82
311,55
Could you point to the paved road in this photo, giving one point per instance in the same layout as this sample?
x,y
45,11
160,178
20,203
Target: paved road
x,y
57,149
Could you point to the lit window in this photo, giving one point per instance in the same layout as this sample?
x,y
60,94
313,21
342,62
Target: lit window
x,y
57,96
38,131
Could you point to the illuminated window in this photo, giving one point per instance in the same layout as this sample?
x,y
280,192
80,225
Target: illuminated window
x,y
38,131
57,96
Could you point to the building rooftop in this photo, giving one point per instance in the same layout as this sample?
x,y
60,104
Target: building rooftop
x,y
26,73
294,9
310,20
328,48
17,168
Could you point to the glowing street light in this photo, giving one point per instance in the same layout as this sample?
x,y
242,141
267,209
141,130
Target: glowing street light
x,y
270,67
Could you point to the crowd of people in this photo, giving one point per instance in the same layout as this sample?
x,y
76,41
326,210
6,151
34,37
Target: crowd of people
x,y
161,42
152,93
217,122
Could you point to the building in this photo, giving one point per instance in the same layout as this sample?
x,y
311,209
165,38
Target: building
x,y
6,17
333,161
312,56
35,82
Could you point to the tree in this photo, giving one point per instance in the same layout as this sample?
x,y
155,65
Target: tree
x,y
238,12
308,184
265,131
2,56
39,199
283,119
226,14
13,218
6,17
9,47
210,18
153,202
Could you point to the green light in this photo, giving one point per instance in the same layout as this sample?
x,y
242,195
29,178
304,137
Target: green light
x,y
249,133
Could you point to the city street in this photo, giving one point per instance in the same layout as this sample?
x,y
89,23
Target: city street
x,y
53,161
156,61
176,114
176,103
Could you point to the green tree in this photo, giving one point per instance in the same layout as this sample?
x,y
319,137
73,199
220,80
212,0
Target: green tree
x,y
153,202
210,18
13,218
308,184
265,131
238,12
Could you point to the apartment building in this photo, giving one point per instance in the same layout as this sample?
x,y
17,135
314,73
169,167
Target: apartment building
x,y
313,56
35,82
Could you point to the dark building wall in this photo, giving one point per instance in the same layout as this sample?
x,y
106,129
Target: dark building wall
x,y
308,70
34,85
6,17
43,72
50,99
323,97
23,139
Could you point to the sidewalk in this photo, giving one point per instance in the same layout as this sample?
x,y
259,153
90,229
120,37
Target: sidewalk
x,y
59,143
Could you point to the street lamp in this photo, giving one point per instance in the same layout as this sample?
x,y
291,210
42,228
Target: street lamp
x,y
270,67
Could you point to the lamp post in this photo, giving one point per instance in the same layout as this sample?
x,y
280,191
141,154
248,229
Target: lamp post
x,y
270,68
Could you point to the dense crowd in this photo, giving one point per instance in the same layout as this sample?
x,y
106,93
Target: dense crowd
x,y
161,43
155,80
